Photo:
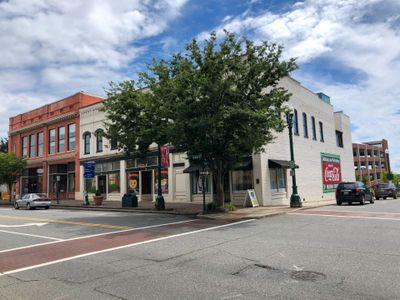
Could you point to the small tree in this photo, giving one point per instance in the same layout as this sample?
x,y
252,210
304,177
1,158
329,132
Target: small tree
x,y
4,145
11,167
222,101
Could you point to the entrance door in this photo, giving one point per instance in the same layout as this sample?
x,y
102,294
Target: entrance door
x,y
146,185
102,183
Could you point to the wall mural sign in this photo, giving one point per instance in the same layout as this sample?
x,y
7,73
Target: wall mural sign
x,y
331,172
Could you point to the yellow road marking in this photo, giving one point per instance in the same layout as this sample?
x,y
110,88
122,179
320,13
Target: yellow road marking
x,y
65,222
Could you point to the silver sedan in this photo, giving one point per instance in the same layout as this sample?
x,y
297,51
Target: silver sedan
x,y
31,201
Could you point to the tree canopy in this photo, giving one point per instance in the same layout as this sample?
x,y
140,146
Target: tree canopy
x,y
11,167
218,101
3,145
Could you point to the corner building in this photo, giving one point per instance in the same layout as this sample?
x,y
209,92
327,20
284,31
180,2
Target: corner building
x,y
47,137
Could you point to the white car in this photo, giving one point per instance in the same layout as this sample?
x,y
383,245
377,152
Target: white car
x,y
31,201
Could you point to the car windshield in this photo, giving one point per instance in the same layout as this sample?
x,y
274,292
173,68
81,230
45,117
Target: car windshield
x,y
36,196
347,185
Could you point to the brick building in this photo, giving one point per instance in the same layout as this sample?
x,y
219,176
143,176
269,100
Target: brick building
x,y
371,159
49,138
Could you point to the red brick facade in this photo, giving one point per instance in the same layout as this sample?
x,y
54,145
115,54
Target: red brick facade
x,y
44,169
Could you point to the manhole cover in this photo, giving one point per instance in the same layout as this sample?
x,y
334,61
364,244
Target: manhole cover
x,y
307,275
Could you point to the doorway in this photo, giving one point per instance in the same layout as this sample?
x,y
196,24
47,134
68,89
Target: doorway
x,y
146,185
102,183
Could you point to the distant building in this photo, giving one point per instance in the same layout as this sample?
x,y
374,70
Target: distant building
x,y
47,137
371,159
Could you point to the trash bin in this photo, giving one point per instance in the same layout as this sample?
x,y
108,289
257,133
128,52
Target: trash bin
x,y
130,199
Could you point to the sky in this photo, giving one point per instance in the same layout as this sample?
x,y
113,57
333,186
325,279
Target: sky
x,y
348,49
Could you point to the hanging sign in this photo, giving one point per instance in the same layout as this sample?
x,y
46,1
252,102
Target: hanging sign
x,y
331,172
165,156
252,197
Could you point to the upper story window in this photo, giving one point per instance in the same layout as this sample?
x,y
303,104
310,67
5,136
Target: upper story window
x,y
32,145
339,138
61,139
305,125
40,144
52,141
99,140
321,131
86,142
24,146
314,131
295,123
71,137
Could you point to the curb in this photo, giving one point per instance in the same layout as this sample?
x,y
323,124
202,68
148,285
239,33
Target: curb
x,y
233,218
127,210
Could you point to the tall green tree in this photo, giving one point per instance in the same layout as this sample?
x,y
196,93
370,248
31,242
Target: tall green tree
x,y
11,167
3,145
134,122
221,99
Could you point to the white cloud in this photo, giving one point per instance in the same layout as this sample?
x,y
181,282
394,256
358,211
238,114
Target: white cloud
x,y
53,48
359,35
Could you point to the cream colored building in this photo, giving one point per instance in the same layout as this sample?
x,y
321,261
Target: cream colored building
x,y
320,135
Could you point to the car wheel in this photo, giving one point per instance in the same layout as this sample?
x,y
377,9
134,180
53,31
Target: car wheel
x,y
338,202
16,206
46,207
362,200
384,198
395,197
350,203
376,197
372,200
28,206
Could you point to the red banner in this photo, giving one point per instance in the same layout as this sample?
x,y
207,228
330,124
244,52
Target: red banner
x,y
165,156
331,172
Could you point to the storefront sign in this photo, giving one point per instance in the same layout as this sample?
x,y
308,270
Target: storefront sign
x,y
165,156
39,171
251,195
133,181
331,172
88,169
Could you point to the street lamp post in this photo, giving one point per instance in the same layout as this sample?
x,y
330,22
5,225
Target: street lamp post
x,y
295,200
160,203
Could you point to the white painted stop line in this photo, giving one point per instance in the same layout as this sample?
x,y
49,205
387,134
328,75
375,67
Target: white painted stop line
x,y
22,225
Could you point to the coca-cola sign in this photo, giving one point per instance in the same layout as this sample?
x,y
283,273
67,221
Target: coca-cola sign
x,y
331,172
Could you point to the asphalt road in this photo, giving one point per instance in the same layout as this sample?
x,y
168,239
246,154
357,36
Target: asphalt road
x,y
332,252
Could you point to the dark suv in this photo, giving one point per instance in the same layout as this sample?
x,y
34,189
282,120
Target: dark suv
x,y
353,192
384,190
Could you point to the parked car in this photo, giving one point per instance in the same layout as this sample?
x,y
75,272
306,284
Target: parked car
x,y
384,190
31,201
353,192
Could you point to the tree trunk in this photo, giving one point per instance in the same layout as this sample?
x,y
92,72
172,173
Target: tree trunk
x,y
10,190
220,197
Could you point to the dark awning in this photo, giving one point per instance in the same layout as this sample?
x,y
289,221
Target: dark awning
x,y
193,168
277,164
245,164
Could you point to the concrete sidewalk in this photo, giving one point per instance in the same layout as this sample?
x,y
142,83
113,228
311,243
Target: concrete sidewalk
x,y
188,209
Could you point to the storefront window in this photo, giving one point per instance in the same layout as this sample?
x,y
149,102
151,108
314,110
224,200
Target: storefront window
x,y
113,183
278,180
197,183
164,181
62,183
90,185
242,180
71,182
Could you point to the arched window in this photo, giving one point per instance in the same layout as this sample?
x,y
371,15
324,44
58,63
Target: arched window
x,y
99,140
305,125
314,131
295,123
86,142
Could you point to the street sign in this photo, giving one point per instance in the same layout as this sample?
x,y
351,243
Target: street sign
x,y
204,173
88,170
291,164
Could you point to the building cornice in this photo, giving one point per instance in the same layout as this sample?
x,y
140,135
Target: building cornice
x,y
50,121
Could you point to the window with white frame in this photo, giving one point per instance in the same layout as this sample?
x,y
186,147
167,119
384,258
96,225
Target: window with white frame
x,y
278,180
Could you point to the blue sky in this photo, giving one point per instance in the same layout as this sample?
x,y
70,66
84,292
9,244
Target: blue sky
x,y
347,49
